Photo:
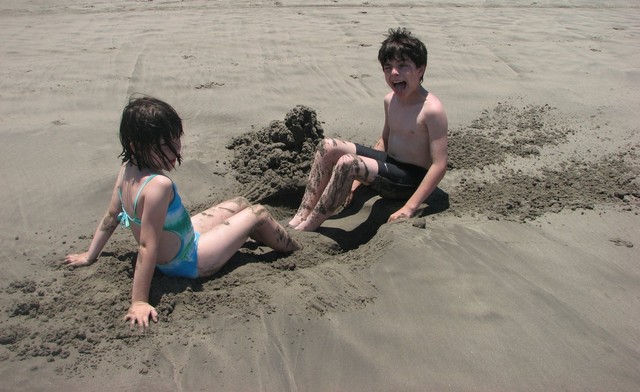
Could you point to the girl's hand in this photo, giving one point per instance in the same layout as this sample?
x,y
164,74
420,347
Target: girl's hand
x,y
139,312
78,260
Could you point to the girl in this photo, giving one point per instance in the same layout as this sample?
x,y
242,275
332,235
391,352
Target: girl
x,y
147,202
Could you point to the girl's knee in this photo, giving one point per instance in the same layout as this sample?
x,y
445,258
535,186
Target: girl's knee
x,y
259,210
261,217
241,202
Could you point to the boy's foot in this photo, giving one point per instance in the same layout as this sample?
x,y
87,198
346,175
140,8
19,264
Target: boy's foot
x,y
294,222
306,226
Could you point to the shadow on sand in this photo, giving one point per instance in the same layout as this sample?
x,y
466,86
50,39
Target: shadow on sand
x,y
381,210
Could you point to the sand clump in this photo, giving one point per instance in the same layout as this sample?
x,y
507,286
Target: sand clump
x,y
275,161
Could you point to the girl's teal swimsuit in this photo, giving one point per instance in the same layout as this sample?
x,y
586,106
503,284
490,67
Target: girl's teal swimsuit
x,y
178,221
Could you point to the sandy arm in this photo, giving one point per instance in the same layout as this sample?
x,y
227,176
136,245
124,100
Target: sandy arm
x,y
436,123
155,200
103,232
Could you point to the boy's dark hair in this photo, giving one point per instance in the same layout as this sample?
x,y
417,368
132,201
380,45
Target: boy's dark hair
x,y
148,123
400,45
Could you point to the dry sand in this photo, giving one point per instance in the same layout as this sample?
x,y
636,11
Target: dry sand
x,y
522,273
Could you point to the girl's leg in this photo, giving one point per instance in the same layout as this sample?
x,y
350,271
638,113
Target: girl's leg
x,y
217,214
327,155
348,168
217,245
269,232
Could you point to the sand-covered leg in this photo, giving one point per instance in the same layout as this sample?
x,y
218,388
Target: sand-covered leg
x,y
318,179
348,168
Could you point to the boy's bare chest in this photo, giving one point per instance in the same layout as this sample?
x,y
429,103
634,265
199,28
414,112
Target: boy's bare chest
x,y
406,120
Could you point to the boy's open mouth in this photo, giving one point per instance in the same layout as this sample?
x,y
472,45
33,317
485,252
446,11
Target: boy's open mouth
x,y
399,86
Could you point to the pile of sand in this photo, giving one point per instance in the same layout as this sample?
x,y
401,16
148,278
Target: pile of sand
x,y
276,160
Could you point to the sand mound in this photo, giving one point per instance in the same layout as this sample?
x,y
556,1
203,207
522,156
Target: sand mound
x,y
276,160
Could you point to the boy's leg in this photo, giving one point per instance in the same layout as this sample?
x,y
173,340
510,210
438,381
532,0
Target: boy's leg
x,y
348,168
327,155
213,216
217,245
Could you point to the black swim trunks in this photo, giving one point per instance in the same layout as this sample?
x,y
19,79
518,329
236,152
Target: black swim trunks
x,y
395,180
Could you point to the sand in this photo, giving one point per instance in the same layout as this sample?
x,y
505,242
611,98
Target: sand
x,y
520,273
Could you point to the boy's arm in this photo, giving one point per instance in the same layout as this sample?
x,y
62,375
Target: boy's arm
x,y
103,232
437,126
382,143
156,198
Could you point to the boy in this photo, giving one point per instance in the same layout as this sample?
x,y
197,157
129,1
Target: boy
x,y
408,161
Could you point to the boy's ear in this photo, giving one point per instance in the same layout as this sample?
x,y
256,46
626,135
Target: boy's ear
x,y
422,71
132,147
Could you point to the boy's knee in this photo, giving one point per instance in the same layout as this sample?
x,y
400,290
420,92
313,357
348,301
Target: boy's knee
x,y
348,164
351,160
326,145
321,147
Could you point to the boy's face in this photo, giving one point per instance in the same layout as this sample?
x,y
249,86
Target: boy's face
x,y
402,76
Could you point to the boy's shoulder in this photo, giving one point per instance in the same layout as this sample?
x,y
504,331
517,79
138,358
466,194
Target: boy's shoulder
x,y
433,104
388,98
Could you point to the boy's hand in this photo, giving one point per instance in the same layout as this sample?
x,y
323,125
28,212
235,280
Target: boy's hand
x,y
349,199
403,213
354,188
139,312
78,260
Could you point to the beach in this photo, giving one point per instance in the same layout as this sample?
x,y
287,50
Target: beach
x,y
521,273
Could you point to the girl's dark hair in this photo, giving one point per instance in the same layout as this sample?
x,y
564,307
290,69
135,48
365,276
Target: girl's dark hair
x,y
400,45
148,123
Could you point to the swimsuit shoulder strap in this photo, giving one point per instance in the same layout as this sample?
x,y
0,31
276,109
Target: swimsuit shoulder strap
x,y
135,201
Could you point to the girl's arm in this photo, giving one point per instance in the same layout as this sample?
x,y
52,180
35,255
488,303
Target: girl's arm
x,y
154,200
103,232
